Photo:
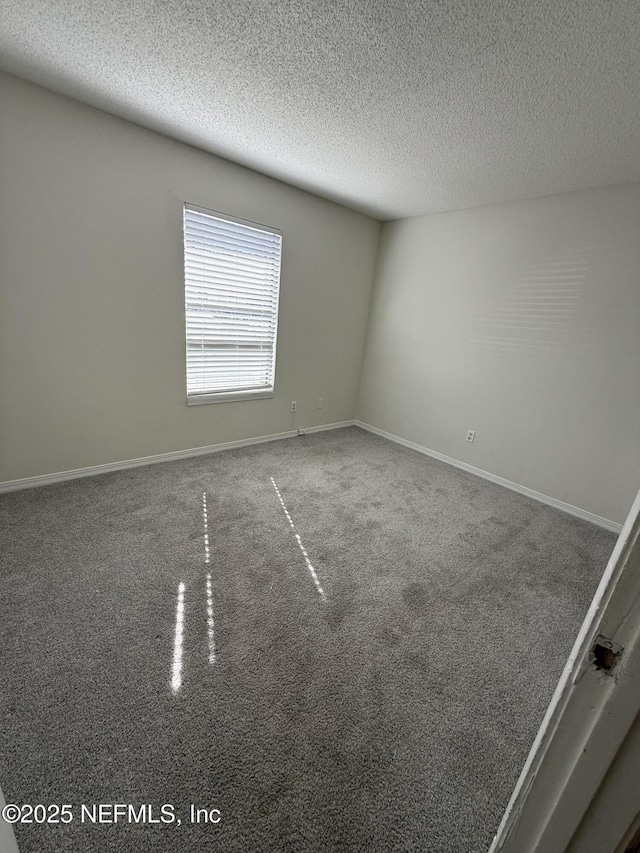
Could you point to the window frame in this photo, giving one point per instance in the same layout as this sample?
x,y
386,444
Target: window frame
x,y
228,396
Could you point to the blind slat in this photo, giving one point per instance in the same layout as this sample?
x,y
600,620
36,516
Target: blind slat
x,y
232,284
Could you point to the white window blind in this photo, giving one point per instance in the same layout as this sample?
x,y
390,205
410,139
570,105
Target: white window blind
x,y
232,285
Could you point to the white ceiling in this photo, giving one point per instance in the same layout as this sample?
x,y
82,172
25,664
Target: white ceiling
x,y
393,107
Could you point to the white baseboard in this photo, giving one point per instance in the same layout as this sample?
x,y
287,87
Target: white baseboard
x,y
325,427
61,476
494,478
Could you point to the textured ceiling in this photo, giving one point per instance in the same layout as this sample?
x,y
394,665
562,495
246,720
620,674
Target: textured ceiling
x,y
394,108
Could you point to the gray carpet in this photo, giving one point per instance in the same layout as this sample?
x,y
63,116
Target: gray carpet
x,y
392,715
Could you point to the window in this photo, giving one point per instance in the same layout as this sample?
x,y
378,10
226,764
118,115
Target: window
x,y
232,285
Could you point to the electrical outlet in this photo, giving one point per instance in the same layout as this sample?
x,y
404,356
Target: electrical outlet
x,y
294,406
301,431
471,435
320,402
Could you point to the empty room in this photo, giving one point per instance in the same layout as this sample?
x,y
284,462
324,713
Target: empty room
x,y
319,426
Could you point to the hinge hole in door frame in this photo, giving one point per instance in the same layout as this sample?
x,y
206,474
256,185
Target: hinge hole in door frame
x,y
605,654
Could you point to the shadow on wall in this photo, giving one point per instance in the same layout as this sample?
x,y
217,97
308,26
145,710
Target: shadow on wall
x,y
533,317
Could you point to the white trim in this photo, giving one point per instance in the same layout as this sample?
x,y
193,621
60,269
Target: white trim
x,y
61,476
325,427
586,723
494,478
229,397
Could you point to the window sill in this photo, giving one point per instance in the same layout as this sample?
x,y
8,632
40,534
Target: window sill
x,y
228,397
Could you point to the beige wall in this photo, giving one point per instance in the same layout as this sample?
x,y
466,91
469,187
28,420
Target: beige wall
x,y
521,321
92,355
